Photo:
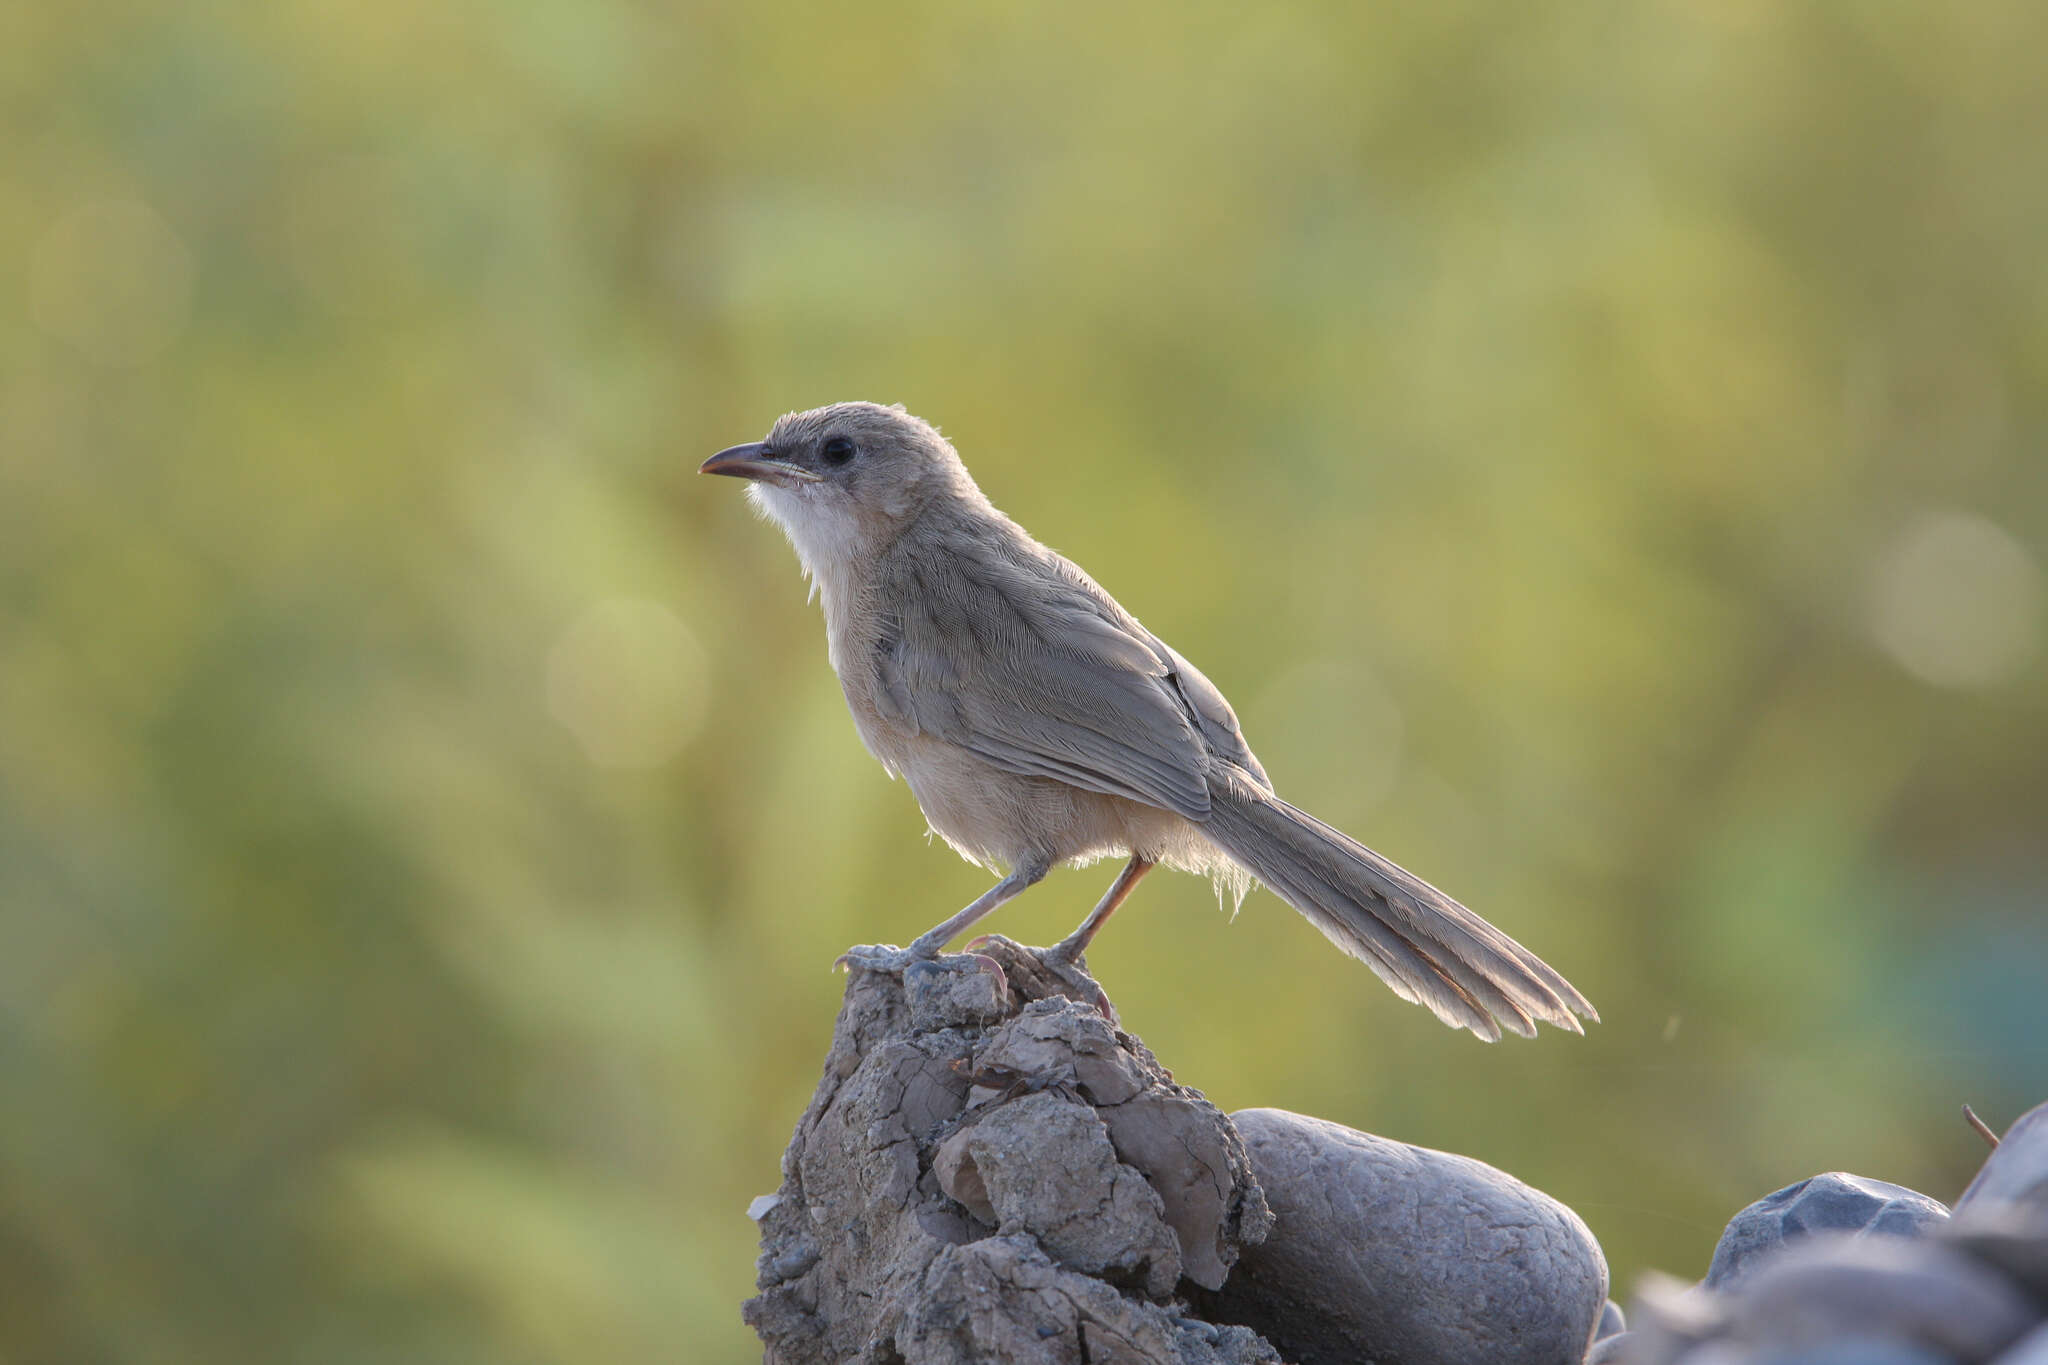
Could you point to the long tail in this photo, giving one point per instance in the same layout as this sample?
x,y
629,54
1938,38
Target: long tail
x,y
1422,943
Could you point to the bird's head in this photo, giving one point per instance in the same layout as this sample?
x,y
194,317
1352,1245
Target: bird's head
x,y
845,479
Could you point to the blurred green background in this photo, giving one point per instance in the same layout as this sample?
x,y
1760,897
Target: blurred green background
x,y
1599,448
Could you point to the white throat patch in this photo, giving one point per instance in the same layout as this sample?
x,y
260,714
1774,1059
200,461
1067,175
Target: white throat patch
x,y
826,540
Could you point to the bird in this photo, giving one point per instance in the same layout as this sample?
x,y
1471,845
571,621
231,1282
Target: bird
x,y
1039,725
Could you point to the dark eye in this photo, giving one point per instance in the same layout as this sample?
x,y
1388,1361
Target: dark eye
x,y
836,451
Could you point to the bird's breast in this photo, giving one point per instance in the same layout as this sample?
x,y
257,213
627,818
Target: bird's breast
x,y
883,728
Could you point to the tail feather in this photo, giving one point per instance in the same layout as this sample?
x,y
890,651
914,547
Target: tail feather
x,y
1436,914
1427,947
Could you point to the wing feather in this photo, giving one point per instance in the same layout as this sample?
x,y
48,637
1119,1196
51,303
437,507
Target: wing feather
x,y
1021,658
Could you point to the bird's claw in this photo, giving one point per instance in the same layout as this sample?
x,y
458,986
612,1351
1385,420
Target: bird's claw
x,y
994,969
1058,970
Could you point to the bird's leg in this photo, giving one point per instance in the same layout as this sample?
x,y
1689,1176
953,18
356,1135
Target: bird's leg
x,y
889,958
1076,943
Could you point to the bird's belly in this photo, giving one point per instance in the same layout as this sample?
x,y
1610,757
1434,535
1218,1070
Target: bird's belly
x,y
992,816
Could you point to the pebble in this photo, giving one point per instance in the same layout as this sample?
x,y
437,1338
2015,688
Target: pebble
x,y
1388,1252
1833,1202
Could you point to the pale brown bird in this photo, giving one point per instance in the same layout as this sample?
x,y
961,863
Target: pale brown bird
x,y
1038,723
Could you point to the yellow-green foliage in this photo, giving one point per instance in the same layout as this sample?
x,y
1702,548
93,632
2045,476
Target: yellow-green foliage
x,y
1599,448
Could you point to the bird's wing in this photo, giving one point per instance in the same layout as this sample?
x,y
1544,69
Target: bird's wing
x,y
1019,657
1218,723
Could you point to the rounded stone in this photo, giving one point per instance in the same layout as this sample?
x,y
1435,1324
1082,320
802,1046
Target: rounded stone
x,y
2031,1349
1614,1350
1920,1294
1833,1202
1387,1252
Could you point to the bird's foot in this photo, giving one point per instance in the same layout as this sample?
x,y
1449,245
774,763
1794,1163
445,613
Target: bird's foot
x,y
1066,953
993,968
1041,972
1066,961
890,960
886,958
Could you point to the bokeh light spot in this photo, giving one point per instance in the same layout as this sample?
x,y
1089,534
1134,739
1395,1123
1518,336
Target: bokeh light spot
x,y
627,680
112,278
1956,601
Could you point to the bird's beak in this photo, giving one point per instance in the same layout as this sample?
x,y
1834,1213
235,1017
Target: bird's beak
x,y
757,461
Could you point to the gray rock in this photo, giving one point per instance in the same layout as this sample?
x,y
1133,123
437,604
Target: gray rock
x,y
1399,1254
2017,1171
2031,1349
1855,1351
990,1170
1042,1165
1004,1300
956,992
1671,1319
1834,1202
1190,1154
1839,1287
1613,1322
1614,1350
2010,1238
1718,1353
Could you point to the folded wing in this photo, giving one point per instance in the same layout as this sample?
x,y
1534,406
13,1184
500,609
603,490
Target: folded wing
x,y
1060,681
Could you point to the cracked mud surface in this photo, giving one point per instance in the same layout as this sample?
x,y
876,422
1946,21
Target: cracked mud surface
x,y
991,1170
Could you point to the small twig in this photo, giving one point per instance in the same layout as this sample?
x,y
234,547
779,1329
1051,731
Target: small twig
x,y
1983,1128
